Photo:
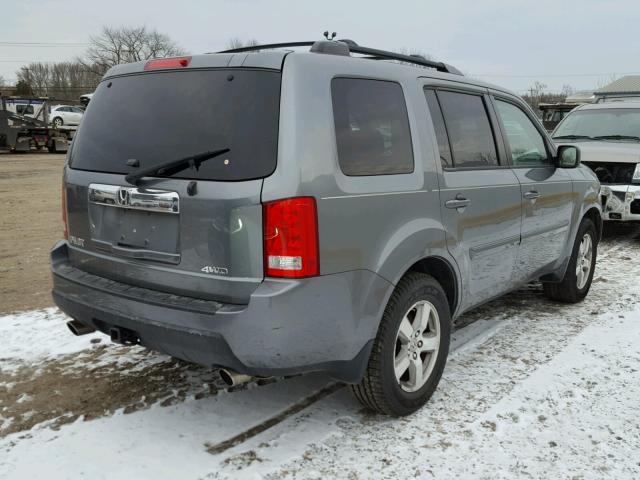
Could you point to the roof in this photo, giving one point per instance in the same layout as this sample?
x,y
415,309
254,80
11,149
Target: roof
x,y
627,84
274,59
609,105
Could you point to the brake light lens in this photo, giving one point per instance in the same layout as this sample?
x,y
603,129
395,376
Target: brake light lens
x,y
291,238
65,223
165,63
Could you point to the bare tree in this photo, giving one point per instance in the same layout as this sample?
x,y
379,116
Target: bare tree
x,y
603,82
538,94
414,52
567,90
62,81
236,42
127,44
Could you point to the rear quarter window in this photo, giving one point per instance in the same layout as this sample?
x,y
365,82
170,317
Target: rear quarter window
x,y
372,127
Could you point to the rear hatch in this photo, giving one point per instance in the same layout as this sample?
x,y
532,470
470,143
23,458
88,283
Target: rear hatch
x,y
195,232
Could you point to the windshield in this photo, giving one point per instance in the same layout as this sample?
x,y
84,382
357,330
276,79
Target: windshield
x,y
160,117
600,123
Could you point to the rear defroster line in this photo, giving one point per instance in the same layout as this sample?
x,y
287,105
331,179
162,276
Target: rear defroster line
x,y
217,448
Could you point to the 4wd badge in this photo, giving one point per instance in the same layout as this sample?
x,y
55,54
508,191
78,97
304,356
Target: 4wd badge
x,y
214,270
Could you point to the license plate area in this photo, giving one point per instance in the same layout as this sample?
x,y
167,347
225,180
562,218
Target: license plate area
x,y
135,223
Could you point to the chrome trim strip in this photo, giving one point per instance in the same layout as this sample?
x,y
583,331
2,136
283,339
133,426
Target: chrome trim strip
x,y
132,198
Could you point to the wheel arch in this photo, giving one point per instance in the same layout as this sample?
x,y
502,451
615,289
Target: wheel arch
x,y
594,215
444,273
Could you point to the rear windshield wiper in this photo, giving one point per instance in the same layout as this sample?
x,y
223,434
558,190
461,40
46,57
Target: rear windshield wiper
x,y
574,137
174,166
617,137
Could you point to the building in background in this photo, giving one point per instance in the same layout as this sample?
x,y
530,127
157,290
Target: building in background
x,y
626,88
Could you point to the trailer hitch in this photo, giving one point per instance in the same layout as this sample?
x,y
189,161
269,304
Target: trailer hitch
x,y
124,336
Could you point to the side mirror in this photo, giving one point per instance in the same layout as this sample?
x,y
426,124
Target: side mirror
x,y
568,156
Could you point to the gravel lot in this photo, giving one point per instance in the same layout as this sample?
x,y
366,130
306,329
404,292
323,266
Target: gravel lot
x,y
533,389
29,226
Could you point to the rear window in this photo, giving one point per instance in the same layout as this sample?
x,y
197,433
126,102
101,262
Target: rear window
x,y
372,127
165,116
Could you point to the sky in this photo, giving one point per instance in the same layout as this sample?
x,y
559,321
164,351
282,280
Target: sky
x,y
512,43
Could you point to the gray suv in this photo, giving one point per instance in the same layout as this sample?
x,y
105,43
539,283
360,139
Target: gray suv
x,y
275,212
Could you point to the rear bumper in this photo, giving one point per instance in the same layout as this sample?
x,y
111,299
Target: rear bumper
x,y
325,323
621,202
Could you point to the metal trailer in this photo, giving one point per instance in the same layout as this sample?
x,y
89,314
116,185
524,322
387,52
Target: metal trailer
x,y
21,133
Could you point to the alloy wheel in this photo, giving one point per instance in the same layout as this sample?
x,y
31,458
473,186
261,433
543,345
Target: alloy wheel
x,y
584,261
417,345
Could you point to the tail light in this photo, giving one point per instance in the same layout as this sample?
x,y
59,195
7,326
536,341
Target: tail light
x,y
291,238
65,222
165,63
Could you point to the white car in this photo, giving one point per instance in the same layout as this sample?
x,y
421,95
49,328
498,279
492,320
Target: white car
x,y
65,115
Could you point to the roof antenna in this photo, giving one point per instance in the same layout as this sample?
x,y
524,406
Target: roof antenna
x,y
326,35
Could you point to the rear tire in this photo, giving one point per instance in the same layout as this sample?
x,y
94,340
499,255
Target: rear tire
x,y
57,122
414,331
577,279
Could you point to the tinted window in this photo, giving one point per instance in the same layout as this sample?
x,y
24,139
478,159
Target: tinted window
x,y
469,129
523,138
372,127
165,116
438,125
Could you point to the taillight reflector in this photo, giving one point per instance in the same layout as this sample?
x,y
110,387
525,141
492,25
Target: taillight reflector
x,y
165,63
65,223
291,238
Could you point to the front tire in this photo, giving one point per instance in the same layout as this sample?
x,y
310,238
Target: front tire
x,y
410,350
57,122
577,279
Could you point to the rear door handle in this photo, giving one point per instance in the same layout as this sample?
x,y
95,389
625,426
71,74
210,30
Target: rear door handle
x,y
531,195
458,202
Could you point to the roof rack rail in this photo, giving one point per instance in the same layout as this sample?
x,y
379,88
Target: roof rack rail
x,y
352,47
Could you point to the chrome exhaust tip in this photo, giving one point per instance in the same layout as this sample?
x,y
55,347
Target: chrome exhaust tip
x,y
79,328
232,378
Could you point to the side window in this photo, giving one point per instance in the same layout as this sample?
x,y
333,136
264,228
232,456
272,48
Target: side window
x,y
24,109
372,127
439,127
470,133
525,141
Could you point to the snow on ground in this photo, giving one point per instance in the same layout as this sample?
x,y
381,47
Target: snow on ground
x,y
532,389
38,335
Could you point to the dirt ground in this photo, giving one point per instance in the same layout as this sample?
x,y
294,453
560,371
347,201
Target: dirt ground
x,y
30,224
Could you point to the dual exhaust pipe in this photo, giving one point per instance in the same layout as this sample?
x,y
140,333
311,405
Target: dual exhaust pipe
x,y
229,377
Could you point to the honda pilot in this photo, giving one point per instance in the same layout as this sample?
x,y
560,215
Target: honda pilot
x,y
268,212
